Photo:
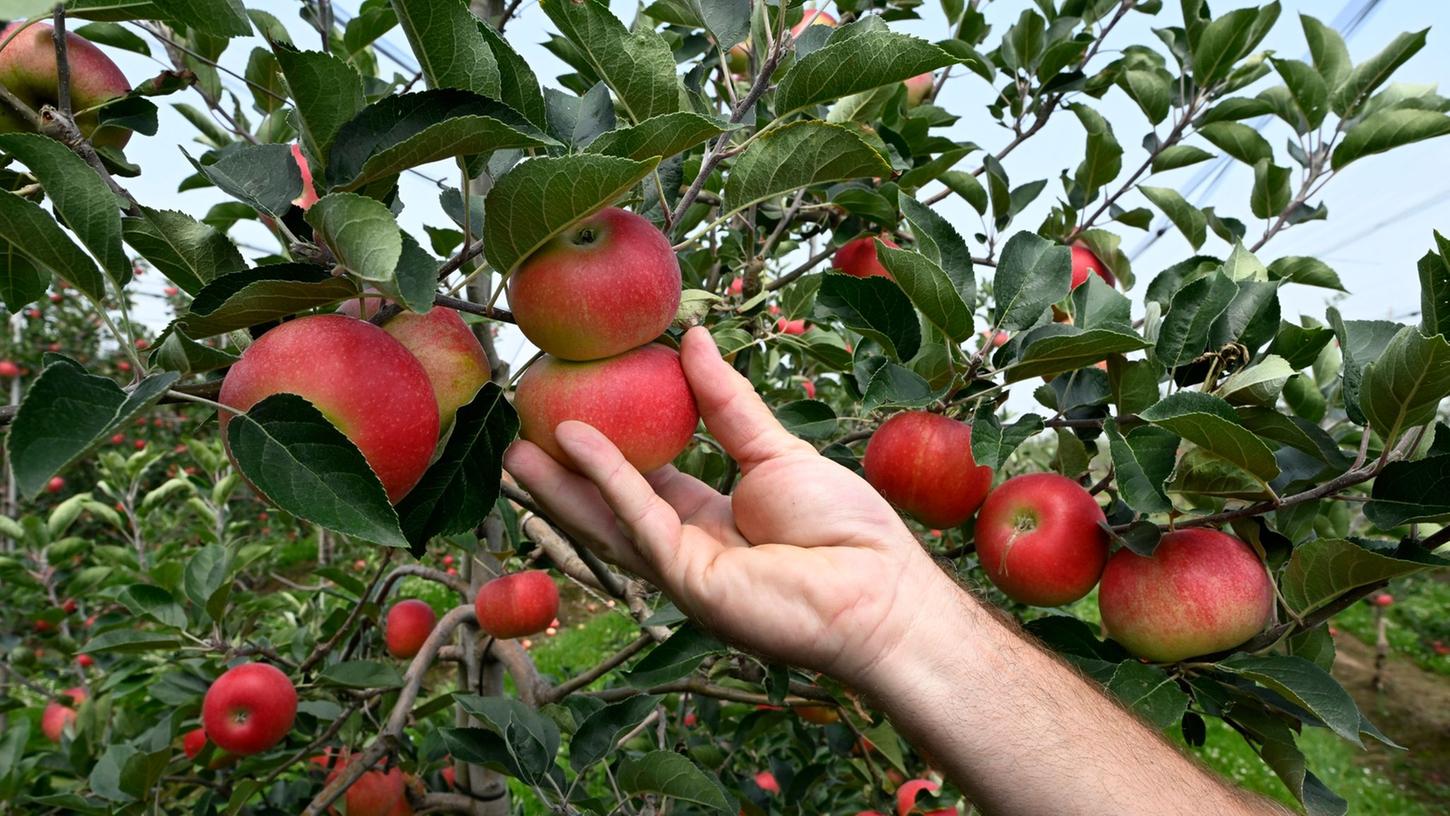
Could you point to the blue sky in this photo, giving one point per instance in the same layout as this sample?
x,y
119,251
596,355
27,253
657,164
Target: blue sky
x,y
1382,209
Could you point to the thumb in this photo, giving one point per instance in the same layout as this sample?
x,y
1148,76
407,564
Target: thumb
x,y
733,412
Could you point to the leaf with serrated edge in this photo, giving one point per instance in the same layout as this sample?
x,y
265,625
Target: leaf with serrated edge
x,y
188,252
1210,423
1305,684
451,51
929,290
674,775
637,65
361,232
855,61
32,232
79,196
1324,569
254,296
1404,385
663,135
1032,274
1143,459
798,155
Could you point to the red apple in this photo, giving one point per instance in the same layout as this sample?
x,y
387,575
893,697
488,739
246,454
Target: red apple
x,y
361,378
118,439
58,716
28,69
309,193
1201,591
123,366
447,560
1440,648
449,352
56,297
791,327
1085,262
907,793
690,720
918,88
737,286
812,17
85,661
922,463
640,400
810,389
409,624
375,793
9,370
171,291
249,709
767,783
193,743
1040,539
607,284
69,606
818,714
55,485
140,444
450,777
857,257
1384,599
518,604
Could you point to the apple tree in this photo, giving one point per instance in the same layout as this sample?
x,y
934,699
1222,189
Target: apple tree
x,y
804,170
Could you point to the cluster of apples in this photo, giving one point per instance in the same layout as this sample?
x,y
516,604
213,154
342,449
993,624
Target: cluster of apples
x,y
1042,539
601,364
509,606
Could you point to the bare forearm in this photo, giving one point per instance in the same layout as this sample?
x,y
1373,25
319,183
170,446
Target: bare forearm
x,y
1022,733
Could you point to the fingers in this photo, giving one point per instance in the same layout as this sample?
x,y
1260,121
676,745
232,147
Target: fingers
x,y
733,412
681,491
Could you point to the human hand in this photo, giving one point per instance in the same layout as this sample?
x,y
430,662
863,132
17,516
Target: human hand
x,y
804,562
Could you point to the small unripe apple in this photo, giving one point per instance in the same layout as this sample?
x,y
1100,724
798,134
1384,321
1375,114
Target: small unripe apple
x,y
1040,539
1202,591
361,378
767,783
309,193
249,709
518,604
28,68
409,624
448,350
375,793
55,485
922,463
57,716
606,285
857,257
918,88
1084,263
639,400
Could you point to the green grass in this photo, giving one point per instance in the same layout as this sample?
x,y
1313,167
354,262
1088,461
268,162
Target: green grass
x,y
573,650
1420,616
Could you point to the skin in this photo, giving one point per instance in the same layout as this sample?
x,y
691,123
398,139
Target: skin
x,y
922,463
607,285
57,717
393,420
249,709
523,603
1084,263
857,257
28,69
639,399
1039,539
1015,728
409,624
1202,591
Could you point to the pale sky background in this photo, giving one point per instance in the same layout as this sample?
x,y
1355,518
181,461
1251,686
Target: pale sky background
x,y
1382,209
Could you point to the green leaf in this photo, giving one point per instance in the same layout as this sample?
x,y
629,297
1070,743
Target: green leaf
x,y
1184,333
874,307
1361,342
1386,130
80,197
1310,91
1322,570
65,413
940,242
520,86
1227,39
1403,386
130,641
1410,492
189,253
451,49
1305,270
1258,384
1271,191
1143,460
638,66
1238,140
798,155
1150,692
1370,74
222,18
542,197
462,484
1211,423
929,289
1032,274
597,735
408,130
205,580
857,57
1435,288
362,234
303,464
1304,684
1187,218
532,739
578,120
670,774
1300,345
263,176
114,35
361,674
993,442
897,386
1176,156
266,293
1104,156
1152,90
1056,348
1097,305
1330,55
326,91
33,233
680,654
664,136
153,602
808,418
21,281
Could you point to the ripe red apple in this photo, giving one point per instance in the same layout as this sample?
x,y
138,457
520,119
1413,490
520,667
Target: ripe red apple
x,y
366,383
792,327
606,285
375,793
1085,262
857,257
449,352
447,560
818,714
58,716
517,604
140,444
193,743
69,606
55,485
118,439
409,624
85,661
918,88
767,783
737,286
56,297
1201,591
810,388
1040,539
28,69
640,400
907,793
123,366
171,291
249,709
9,370
1440,648
922,463
1384,599
309,193
450,777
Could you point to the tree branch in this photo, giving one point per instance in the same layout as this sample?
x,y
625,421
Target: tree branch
x,y
610,663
